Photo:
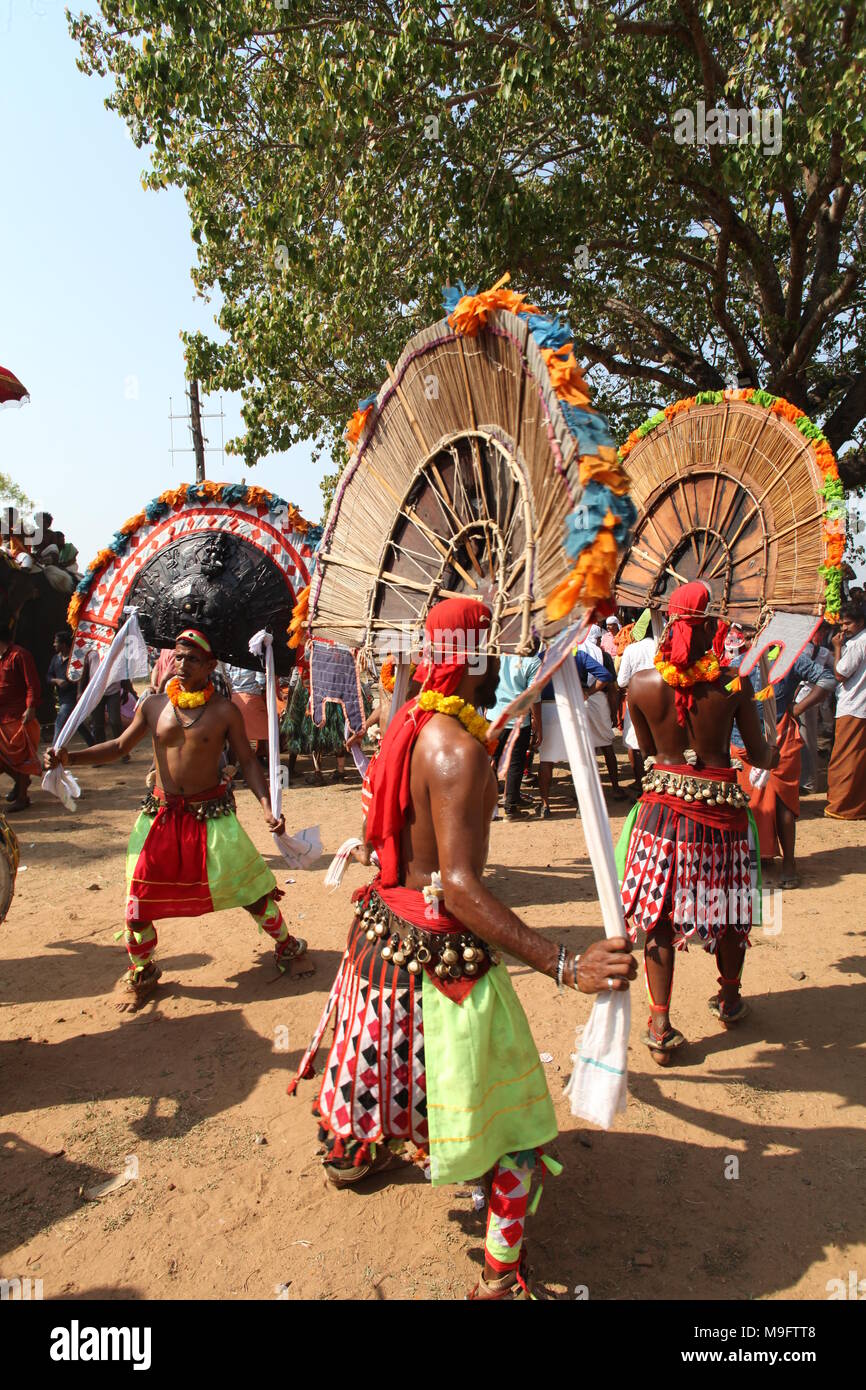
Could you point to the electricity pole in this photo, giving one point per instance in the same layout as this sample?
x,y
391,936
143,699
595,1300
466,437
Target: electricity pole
x,y
195,425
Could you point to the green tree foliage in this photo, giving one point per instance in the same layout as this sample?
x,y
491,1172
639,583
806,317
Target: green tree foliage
x,y
342,161
12,495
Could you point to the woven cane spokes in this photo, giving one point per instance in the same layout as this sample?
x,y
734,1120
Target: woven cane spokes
x,y
706,526
464,513
729,494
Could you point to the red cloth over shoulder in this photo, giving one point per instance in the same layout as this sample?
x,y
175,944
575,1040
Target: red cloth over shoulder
x,y
452,630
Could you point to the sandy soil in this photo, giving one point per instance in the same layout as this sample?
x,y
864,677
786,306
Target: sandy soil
x,y
230,1201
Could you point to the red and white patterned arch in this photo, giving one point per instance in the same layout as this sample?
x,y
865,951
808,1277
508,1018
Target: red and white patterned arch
x,y
270,532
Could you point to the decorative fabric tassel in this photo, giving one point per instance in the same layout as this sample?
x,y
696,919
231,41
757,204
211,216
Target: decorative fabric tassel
x,y
337,867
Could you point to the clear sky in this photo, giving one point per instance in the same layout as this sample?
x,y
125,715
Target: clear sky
x,y
95,291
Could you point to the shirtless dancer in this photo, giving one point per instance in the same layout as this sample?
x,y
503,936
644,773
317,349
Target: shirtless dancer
x,y
188,854
431,1044
688,854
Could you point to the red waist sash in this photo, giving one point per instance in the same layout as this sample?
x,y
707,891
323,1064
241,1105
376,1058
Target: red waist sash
x,y
717,817
411,905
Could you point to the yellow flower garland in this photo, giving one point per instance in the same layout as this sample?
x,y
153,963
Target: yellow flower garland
x,y
707,668
473,722
187,699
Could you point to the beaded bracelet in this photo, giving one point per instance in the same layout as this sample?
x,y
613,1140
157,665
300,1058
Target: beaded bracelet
x,y
560,967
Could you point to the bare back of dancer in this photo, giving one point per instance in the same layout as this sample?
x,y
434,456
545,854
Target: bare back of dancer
x,y
707,728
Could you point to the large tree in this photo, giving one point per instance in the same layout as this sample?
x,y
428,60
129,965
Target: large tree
x,y
341,161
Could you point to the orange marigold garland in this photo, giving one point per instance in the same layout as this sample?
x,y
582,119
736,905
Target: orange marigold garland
x,y
603,520
300,613
187,699
706,668
388,674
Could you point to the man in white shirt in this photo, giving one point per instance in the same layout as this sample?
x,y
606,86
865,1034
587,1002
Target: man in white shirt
x,y
846,776
638,656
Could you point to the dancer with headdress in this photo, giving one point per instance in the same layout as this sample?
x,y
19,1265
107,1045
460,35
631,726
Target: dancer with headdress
x,y
188,853
688,854
431,1044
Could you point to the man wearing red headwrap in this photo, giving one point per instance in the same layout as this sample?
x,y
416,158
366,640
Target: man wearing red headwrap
x,y
688,853
430,1042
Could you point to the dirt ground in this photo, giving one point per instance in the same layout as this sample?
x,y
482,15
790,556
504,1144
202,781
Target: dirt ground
x,y
229,1199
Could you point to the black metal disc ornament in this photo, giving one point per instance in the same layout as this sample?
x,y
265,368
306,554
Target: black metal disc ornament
x,y
223,585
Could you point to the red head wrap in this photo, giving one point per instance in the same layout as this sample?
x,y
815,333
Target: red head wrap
x,y
687,610
453,630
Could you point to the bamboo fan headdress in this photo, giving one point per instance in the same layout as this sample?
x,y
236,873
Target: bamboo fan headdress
x,y
480,469
740,489
220,556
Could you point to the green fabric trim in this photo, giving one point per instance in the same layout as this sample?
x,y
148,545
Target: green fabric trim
x,y
621,850
487,1093
810,430
237,874
140,831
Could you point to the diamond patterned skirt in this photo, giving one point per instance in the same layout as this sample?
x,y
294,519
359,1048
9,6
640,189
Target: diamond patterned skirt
x,y
703,877
374,1085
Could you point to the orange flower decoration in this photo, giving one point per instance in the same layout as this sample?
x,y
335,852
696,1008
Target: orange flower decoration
x,y
590,580
174,496
133,524
473,310
300,613
566,377
357,424
73,612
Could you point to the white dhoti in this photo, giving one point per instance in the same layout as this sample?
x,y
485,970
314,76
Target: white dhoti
x,y
628,733
553,749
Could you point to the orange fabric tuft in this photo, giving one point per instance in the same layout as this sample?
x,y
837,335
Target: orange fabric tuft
x,y
357,424
566,376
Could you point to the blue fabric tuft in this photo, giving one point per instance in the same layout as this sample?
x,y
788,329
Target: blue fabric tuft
x,y
234,493
590,429
548,333
452,295
584,523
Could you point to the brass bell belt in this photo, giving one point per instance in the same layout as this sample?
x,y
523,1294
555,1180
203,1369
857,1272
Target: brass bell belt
x,y
450,955
690,788
222,805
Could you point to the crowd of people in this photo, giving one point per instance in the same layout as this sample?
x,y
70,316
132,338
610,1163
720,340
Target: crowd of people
x,y
35,545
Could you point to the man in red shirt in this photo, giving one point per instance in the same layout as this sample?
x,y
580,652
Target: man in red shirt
x,y
20,692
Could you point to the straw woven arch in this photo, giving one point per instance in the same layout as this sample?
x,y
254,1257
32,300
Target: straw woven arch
x,y
462,485
730,493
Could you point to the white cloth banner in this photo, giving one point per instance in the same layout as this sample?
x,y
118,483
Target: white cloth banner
x,y
597,1087
302,850
126,659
